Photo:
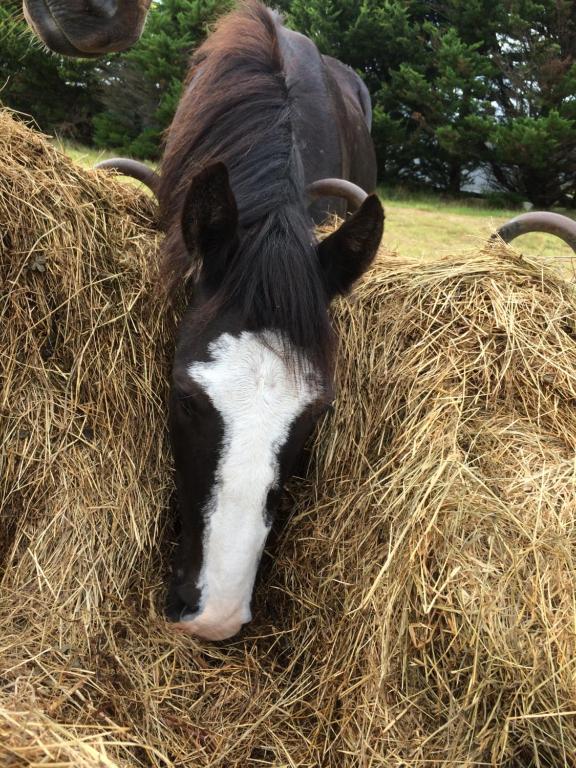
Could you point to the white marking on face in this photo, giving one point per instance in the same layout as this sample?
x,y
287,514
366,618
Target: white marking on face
x,y
258,398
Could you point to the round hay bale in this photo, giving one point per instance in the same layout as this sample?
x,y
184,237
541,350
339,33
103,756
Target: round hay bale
x,y
418,607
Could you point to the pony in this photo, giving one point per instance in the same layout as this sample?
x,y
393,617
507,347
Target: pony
x,y
263,120
86,28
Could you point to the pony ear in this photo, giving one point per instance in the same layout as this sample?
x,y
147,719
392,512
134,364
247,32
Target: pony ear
x,y
210,218
347,253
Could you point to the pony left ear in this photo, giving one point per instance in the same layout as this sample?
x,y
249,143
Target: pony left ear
x,y
347,253
210,218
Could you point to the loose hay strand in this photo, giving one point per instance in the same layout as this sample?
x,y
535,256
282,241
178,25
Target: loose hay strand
x,y
417,606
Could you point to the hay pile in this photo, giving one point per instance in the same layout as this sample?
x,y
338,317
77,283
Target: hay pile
x,y
420,608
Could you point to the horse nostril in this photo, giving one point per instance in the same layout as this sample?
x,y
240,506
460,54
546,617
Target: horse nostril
x,y
104,8
176,606
182,599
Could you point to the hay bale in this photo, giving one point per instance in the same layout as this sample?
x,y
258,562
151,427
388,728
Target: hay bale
x,y
419,607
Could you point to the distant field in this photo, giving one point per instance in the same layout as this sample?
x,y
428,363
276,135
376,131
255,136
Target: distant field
x,y
412,230
425,227
419,226
88,156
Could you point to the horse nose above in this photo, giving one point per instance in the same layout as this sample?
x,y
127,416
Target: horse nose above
x,y
104,8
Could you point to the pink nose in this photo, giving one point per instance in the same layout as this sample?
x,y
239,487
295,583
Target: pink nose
x,y
224,632
213,625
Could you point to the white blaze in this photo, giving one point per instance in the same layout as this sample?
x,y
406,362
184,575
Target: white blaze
x,y
258,397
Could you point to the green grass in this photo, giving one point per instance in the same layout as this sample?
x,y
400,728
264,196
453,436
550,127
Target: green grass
x,y
84,156
418,225
426,201
88,157
425,228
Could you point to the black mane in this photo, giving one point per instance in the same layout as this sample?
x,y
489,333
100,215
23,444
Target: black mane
x,y
237,109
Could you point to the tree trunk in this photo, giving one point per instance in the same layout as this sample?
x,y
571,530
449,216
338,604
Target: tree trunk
x,y
454,178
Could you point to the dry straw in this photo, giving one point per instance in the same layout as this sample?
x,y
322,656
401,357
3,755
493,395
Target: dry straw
x,y
419,606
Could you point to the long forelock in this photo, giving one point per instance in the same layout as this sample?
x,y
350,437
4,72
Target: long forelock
x,y
246,122
236,109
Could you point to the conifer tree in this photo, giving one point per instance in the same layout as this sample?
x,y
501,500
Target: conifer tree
x,y
142,87
531,147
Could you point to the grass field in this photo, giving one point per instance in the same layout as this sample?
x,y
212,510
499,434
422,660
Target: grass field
x,y
425,228
421,226
85,156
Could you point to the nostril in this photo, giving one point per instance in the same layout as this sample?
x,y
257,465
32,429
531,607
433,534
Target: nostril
x,y
181,600
175,607
176,610
105,8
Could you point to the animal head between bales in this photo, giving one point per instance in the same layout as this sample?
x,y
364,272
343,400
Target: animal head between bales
x,y
86,28
252,375
253,362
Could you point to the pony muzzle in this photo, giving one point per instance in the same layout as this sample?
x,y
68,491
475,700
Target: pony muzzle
x,y
214,622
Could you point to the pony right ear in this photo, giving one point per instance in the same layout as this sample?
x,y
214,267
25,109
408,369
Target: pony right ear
x,y
347,253
210,219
